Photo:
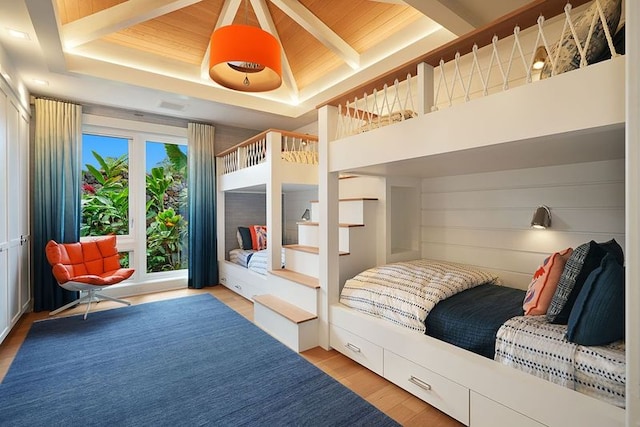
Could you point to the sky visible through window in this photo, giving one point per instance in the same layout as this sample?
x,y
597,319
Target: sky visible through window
x,y
109,146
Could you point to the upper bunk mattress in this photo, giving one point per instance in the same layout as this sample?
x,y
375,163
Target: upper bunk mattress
x,y
471,318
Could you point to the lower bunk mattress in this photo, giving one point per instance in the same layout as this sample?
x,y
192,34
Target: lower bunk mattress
x,y
255,261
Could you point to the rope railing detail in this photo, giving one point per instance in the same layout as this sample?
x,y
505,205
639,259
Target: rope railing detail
x,y
474,74
392,104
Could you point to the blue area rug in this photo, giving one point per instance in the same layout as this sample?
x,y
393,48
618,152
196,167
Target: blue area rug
x,y
184,362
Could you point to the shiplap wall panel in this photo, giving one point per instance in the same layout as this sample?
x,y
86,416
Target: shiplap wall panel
x,y
511,240
483,219
609,171
576,220
593,195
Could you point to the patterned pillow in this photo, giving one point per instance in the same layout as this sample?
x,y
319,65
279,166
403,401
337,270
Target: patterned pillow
x,y
259,237
568,55
598,315
580,264
544,283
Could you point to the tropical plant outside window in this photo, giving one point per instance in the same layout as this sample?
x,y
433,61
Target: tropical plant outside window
x,y
106,197
166,188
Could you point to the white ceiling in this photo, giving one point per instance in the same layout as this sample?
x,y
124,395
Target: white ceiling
x,y
100,76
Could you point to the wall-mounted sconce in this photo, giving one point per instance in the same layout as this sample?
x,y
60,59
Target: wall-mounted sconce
x,y
539,57
541,217
306,216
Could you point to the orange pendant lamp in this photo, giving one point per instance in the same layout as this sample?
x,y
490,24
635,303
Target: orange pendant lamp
x,y
245,58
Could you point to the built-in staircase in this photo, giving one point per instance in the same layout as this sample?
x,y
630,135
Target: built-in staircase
x,y
290,311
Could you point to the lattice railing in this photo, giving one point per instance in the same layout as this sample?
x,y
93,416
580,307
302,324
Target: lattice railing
x,y
501,65
390,105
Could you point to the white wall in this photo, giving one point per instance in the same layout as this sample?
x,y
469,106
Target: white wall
x,y
483,219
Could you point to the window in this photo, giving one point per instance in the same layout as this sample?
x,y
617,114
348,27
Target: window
x,y
134,185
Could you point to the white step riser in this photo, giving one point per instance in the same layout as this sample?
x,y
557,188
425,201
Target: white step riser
x,y
308,236
349,211
299,337
303,262
302,296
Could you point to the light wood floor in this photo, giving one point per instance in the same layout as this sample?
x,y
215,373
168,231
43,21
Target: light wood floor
x,y
403,407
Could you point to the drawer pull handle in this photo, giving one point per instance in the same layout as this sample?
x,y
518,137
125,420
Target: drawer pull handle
x,y
353,347
419,383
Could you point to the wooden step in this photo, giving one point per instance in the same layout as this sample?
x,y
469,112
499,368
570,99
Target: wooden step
x,y
287,310
288,323
342,224
308,249
294,276
353,199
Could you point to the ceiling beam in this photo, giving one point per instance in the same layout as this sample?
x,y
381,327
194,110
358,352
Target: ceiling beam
x,y
228,13
314,26
117,18
43,15
266,23
226,17
443,15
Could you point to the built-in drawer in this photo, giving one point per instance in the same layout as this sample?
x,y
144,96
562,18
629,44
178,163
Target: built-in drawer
x,y
359,349
489,413
436,390
231,281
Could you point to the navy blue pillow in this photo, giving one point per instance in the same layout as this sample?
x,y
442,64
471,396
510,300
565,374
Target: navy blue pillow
x,y
245,235
597,318
584,259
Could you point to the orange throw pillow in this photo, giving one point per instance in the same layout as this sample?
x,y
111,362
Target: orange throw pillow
x,y
258,237
544,283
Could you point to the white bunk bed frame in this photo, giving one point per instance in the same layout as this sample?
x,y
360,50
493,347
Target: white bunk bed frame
x,y
475,390
266,163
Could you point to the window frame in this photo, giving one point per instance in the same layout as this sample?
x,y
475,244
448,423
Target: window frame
x,y
138,133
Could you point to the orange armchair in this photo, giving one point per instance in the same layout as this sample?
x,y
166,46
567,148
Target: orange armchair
x,y
87,266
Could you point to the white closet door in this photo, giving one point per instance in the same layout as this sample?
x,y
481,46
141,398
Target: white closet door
x,y
4,245
25,236
13,207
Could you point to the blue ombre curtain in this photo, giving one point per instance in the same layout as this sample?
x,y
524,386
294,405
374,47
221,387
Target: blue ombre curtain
x,y
56,193
203,259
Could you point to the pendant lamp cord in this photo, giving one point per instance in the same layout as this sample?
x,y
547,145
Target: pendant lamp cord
x,y
246,81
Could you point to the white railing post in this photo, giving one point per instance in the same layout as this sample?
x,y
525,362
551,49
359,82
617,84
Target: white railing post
x,y
425,88
272,143
241,158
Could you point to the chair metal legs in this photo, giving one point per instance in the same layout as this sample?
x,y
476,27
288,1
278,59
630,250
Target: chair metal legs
x,y
92,295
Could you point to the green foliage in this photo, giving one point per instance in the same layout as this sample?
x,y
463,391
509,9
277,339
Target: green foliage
x,y
105,206
177,158
165,237
158,182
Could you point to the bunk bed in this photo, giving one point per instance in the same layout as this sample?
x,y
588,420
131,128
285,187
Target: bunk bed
x,y
574,117
257,172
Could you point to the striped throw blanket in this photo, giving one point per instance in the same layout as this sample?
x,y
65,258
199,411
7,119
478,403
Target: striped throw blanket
x,y
405,292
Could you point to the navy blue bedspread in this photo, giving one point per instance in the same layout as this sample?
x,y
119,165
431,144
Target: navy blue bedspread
x,y
471,318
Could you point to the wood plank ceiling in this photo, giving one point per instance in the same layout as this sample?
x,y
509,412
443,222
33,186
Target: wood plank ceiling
x,y
317,42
